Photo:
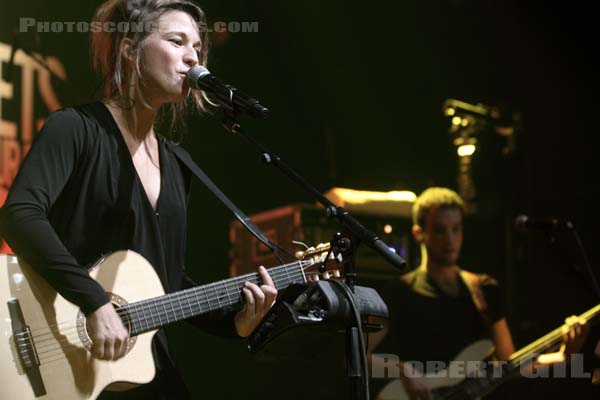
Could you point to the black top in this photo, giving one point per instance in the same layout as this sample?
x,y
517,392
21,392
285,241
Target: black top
x,y
426,324
77,196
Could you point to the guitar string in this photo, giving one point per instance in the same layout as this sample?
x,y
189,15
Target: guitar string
x,y
49,344
458,392
162,313
274,272
548,341
149,306
50,353
545,343
47,329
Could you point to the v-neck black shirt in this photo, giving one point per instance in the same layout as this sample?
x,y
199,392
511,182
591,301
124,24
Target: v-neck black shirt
x,y
78,196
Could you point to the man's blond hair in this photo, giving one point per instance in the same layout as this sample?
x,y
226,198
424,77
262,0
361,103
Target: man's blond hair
x,y
435,197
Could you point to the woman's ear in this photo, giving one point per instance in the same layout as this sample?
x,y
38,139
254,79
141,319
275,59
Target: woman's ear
x,y
127,49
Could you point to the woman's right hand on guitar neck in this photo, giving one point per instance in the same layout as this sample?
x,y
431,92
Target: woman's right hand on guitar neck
x,y
107,332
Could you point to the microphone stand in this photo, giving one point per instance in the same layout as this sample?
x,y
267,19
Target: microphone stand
x,y
357,371
354,228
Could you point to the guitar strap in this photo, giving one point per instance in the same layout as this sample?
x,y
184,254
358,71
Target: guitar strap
x,y
474,283
185,158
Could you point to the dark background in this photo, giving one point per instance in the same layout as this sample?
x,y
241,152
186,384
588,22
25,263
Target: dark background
x,y
355,90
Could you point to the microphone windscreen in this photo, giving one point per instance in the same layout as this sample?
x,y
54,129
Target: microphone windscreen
x,y
194,74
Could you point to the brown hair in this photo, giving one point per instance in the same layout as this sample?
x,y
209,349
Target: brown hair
x,y
435,197
108,58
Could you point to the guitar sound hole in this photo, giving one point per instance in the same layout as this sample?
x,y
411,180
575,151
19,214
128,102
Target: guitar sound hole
x,y
117,302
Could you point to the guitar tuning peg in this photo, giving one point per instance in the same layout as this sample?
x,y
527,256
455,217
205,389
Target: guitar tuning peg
x,y
299,254
326,275
331,256
336,273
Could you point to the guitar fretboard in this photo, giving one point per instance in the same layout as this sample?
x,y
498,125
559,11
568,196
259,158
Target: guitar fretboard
x,y
153,313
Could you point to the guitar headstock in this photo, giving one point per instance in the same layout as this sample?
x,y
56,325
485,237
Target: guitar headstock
x,y
323,262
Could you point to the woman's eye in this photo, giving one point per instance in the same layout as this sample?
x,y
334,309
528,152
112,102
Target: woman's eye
x,y
176,41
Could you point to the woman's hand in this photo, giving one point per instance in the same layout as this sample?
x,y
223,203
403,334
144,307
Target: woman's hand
x,y
258,302
108,334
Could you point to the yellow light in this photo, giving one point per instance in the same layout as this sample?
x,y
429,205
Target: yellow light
x,y
362,196
456,120
466,150
450,111
396,202
464,122
387,228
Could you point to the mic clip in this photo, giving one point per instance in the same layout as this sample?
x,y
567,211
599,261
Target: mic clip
x,y
322,304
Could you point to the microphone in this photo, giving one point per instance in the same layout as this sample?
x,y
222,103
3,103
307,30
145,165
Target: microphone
x,y
524,223
228,97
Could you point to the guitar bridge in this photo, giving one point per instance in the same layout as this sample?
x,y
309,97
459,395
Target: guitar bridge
x,y
26,347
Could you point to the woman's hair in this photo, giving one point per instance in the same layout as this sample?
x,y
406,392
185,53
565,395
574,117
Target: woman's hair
x,y
116,20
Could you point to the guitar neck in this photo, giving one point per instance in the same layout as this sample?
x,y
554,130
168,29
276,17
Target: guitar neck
x,y
153,313
551,340
477,387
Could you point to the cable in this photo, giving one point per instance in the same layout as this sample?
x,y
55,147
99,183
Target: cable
x,y
365,369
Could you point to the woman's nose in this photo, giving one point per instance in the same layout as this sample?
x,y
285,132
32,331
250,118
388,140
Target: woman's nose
x,y
191,58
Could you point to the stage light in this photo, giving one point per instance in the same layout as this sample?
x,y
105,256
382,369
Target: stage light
x,y
466,150
395,202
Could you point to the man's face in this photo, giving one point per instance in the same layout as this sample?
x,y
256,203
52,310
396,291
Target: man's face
x,y
443,235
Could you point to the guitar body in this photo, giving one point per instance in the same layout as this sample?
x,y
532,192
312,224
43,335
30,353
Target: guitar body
x,y
474,352
66,367
44,346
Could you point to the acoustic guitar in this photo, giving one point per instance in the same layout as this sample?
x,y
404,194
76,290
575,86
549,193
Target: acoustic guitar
x,y
44,344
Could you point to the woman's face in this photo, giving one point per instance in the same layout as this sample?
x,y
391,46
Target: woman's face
x,y
168,54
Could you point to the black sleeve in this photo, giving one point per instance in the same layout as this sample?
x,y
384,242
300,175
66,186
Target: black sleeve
x,y
24,218
495,301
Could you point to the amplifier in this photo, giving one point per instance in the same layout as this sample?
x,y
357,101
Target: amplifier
x,y
309,224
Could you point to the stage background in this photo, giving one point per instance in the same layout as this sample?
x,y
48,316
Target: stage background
x,y
356,90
